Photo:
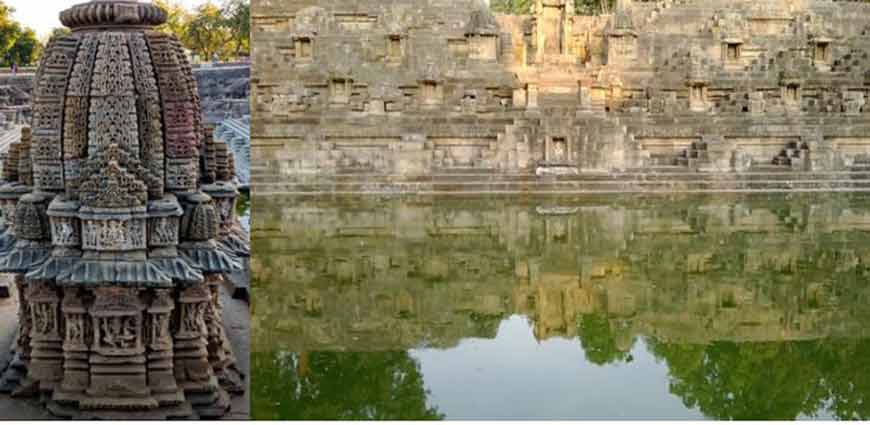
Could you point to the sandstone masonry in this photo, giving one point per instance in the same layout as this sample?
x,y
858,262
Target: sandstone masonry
x,y
405,95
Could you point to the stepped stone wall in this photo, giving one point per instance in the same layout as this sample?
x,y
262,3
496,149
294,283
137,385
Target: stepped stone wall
x,y
426,88
225,92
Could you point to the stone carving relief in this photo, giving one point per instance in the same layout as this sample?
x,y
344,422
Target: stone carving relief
x,y
114,235
117,317
78,326
113,177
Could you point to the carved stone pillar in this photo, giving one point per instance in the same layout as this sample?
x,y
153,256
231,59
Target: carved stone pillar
x,y
17,368
224,196
220,352
158,336
698,97
192,368
117,360
756,103
76,345
531,96
46,365
25,323
431,93
585,96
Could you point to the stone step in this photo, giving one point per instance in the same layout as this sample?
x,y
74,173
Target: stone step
x,y
662,174
570,187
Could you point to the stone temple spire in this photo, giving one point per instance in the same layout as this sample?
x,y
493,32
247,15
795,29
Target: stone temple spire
x,y
118,223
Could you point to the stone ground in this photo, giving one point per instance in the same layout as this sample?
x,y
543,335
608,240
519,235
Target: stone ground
x,y
236,319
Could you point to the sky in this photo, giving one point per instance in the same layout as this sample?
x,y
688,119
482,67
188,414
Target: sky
x,y
42,15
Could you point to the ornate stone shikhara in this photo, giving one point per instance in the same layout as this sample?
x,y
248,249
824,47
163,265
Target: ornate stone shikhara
x,y
118,214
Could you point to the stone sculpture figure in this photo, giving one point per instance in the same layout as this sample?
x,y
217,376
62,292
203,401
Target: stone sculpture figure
x,y
118,225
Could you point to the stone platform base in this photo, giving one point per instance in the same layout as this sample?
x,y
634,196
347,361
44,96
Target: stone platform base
x,y
14,372
182,411
584,183
28,404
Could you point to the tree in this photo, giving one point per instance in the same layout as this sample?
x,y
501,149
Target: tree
x,y
599,340
593,7
237,18
512,7
210,31
9,29
59,32
177,18
207,34
770,380
17,44
523,7
339,386
25,50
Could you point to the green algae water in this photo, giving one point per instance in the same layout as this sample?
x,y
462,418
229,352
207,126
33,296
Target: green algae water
x,y
750,307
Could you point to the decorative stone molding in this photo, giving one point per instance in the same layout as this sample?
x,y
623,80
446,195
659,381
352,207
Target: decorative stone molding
x,y
107,14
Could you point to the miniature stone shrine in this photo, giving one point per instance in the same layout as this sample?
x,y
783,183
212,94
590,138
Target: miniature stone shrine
x,y
119,225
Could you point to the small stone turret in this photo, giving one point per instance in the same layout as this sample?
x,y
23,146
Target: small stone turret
x,y
111,229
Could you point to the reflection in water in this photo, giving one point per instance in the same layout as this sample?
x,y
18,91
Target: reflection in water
x,y
372,386
636,307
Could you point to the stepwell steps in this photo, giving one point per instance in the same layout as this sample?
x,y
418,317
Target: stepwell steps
x,y
576,186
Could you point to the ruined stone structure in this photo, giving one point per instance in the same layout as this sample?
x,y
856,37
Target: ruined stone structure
x,y
224,91
236,133
15,107
704,94
119,225
436,271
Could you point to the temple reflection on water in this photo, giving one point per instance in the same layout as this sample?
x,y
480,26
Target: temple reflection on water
x,y
395,275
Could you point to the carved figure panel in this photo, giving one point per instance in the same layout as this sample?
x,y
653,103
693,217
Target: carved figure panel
x,y
65,231
117,321
114,235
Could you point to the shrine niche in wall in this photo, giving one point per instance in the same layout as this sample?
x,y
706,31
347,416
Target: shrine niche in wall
x,y
118,225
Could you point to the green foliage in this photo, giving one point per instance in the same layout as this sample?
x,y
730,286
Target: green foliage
x,y
243,205
9,29
177,18
25,50
512,7
211,31
338,386
598,340
59,32
524,7
593,7
237,15
770,380
18,44
206,34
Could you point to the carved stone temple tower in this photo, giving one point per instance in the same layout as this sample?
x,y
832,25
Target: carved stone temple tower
x,y
119,226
